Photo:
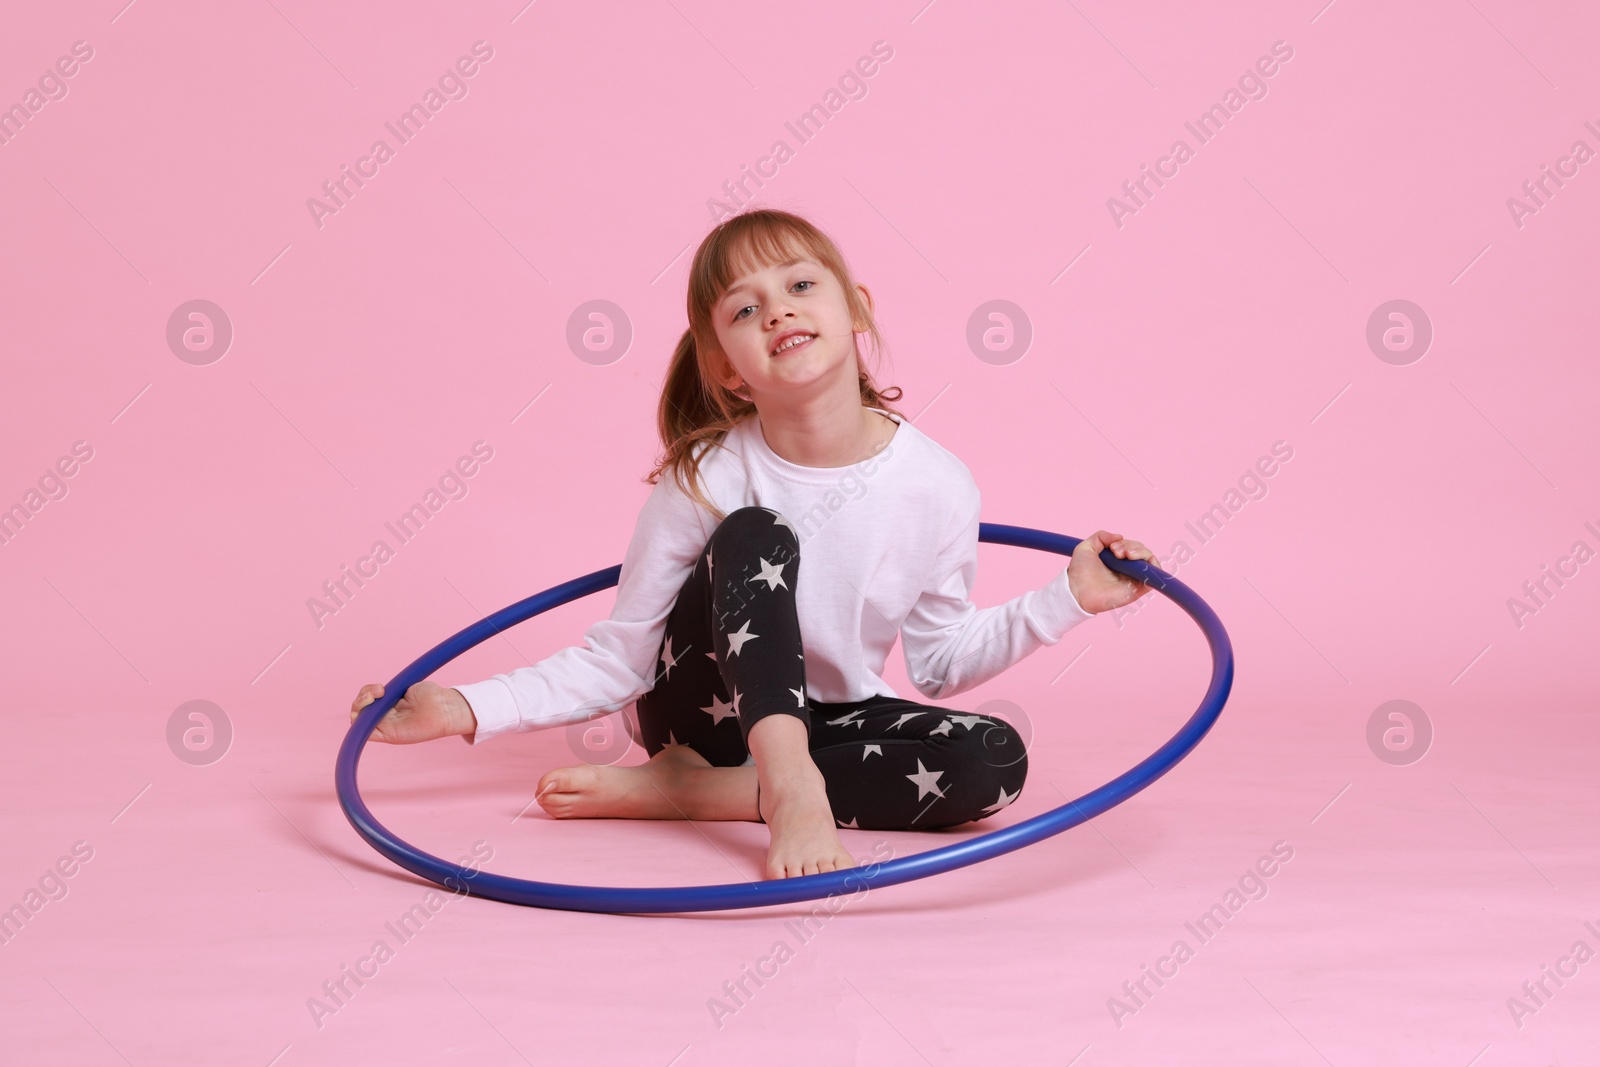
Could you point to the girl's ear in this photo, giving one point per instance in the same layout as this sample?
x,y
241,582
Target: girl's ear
x,y
866,296
723,372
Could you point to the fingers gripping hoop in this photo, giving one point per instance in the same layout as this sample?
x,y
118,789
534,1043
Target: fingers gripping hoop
x,y
781,890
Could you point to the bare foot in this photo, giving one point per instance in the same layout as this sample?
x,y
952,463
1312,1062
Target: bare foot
x,y
804,840
651,790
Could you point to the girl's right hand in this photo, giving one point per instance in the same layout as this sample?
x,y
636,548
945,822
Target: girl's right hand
x,y
426,711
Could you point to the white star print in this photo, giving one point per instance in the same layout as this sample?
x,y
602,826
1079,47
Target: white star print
x,y
906,718
967,720
772,574
668,660
1002,802
942,728
799,697
867,750
927,781
848,719
672,740
719,710
779,520
851,824
737,639
736,698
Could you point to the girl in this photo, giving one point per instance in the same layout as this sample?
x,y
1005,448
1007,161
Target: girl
x,y
805,525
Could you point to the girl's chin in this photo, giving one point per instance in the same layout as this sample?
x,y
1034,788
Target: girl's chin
x,y
783,387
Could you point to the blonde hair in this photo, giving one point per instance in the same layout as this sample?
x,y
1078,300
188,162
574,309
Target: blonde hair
x,y
694,407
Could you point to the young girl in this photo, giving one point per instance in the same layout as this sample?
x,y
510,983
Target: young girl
x,y
805,525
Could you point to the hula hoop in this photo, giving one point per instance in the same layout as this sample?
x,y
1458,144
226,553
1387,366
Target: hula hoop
x,y
618,899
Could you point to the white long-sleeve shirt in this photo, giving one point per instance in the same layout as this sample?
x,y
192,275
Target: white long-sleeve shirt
x,y
887,546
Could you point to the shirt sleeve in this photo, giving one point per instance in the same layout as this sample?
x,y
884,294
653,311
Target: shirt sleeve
x,y
951,646
618,658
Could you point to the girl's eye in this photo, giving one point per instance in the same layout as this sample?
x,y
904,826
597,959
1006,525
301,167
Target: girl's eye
x,y
740,313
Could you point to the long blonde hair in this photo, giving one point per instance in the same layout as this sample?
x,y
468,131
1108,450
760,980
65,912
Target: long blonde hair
x,y
694,407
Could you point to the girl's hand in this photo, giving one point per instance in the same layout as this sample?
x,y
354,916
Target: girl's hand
x,y
427,711
1097,587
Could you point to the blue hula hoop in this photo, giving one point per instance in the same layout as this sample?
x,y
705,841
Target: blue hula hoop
x,y
617,899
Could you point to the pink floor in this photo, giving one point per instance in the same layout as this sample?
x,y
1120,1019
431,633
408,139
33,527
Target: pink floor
x,y
1434,900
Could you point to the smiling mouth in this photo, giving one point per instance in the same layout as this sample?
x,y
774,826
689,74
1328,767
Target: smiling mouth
x,y
796,342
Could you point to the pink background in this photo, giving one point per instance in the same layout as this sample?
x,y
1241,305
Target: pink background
x,y
1168,353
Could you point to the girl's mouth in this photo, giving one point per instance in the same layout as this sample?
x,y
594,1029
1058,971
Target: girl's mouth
x,y
793,348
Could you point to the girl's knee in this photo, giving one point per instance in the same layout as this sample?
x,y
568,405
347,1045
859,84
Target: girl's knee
x,y
757,522
998,765
997,745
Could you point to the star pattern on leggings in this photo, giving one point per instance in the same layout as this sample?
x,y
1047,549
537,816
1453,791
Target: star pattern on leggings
x,y
927,781
943,728
772,574
903,719
969,721
799,697
867,750
848,719
719,710
1005,798
668,660
849,825
739,637
779,520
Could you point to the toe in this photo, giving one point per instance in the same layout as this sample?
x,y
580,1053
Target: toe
x,y
561,780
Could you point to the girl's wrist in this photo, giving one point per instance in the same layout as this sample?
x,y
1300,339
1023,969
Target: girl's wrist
x,y
1077,593
464,722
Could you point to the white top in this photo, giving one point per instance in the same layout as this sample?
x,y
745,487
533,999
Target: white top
x,y
887,546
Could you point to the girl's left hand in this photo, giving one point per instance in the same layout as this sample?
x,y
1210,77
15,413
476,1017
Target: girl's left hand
x,y
1097,587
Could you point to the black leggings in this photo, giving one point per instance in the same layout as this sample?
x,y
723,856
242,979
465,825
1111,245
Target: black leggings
x,y
889,763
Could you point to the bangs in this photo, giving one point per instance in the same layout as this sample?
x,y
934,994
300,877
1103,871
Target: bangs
x,y
761,245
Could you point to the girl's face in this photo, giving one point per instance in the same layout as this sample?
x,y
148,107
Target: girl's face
x,y
762,312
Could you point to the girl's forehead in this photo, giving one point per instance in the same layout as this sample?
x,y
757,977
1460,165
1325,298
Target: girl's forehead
x,y
747,265
756,251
